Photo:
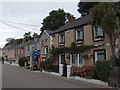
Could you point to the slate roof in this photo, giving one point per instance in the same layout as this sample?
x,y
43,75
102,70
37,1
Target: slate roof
x,y
49,31
73,24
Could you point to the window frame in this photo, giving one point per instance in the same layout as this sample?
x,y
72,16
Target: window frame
x,y
59,38
97,52
78,39
96,34
46,48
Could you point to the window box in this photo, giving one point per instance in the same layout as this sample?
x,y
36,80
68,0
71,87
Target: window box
x,y
79,40
99,37
62,43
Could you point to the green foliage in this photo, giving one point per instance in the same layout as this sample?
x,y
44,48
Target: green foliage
x,y
27,36
84,7
102,68
117,61
18,41
108,21
53,52
55,20
79,49
48,66
22,61
73,49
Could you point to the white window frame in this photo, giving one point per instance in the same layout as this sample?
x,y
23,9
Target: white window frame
x,y
81,57
61,41
98,33
74,57
45,49
81,36
77,58
97,57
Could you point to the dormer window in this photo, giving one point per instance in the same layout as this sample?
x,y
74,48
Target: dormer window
x,y
61,39
98,33
79,35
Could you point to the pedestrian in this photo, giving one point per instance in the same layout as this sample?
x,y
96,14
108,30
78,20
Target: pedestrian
x,y
2,60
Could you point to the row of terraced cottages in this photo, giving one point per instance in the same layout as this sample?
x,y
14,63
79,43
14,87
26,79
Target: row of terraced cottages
x,y
14,51
80,31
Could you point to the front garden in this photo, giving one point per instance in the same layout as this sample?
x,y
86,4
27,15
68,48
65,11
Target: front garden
x,y
98,71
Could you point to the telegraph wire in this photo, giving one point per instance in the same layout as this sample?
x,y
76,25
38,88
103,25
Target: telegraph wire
x,y
20,23
17,27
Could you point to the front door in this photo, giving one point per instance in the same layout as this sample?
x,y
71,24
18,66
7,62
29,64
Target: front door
x,y
62,61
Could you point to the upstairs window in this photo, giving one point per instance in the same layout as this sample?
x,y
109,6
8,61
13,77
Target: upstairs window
x,y
46,50
61,39
35,46
79,34
98,33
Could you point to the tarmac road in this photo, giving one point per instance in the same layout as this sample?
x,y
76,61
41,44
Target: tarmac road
x,y
18,77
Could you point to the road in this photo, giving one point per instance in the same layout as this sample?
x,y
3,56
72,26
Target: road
x,y
18,77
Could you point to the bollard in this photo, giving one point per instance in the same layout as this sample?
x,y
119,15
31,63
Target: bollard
x,y
25,64
60,69
68,71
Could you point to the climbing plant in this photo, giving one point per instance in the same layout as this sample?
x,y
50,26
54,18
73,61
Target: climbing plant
x,y
73,49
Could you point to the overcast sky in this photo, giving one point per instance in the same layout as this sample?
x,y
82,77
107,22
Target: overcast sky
x,y
28,13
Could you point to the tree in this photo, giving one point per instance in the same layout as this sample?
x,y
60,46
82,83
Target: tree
x,y
27,36
35,35
18,41
55,20
10,40
105,16
84,7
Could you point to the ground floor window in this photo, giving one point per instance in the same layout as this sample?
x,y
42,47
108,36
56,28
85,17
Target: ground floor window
x,y
99,55
77,59
74,59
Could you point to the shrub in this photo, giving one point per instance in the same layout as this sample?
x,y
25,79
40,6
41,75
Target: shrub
x,y
75,71
55,68
117,61
49,67
102,68
22,61
85,71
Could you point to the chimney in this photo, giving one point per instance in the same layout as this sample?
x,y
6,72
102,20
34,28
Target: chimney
x,y
71,18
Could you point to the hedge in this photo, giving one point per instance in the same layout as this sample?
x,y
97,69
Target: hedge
x,y
22,61
49,67
102,69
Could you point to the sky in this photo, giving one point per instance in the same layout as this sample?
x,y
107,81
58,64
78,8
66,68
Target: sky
x,y
15,14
